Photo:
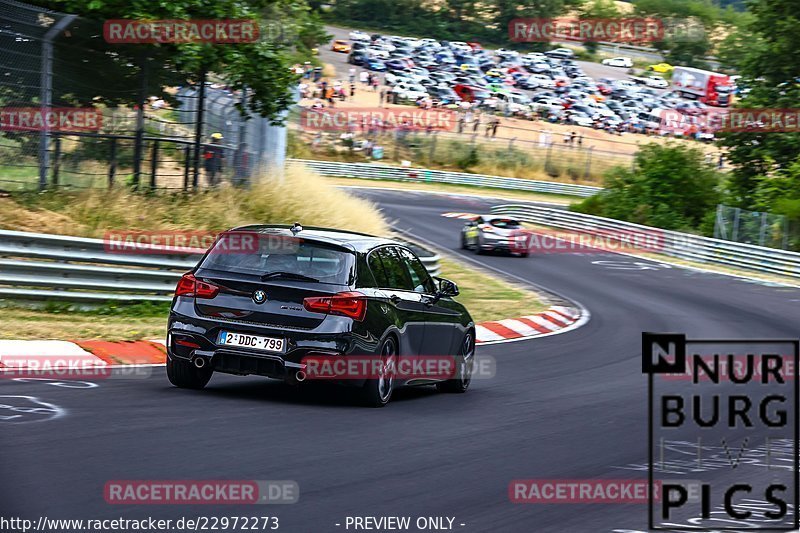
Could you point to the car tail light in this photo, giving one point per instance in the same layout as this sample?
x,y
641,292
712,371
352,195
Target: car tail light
x,y
352,304
188,344
191,286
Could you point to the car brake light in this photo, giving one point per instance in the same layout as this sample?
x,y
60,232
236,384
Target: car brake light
x,y
191,286
351,304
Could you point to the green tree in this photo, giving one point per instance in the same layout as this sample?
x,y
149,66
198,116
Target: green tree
x,y
262,66
765,54
597,9
670,187
687,25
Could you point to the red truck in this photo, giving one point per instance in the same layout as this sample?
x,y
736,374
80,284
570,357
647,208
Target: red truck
x,y
708,87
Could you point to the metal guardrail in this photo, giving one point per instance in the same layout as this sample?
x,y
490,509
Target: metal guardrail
x,y
672,243
37,266
419,175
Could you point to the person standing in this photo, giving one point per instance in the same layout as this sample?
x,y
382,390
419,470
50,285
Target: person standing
x,y
352,73
495,125
213,155
352,90
375,83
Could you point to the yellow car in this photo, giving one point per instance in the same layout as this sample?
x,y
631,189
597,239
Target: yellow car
x,y
661,67
340,45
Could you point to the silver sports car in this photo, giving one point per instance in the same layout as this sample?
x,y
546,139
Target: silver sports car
x,y
490,232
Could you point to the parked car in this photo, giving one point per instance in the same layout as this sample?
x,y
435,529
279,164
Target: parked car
x,y
656,81
624,62
358,58
470,93
376,65
560,53
314,295
340,45
357,35
661,67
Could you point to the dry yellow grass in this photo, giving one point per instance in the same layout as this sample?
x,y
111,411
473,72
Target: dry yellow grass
x,y
299,197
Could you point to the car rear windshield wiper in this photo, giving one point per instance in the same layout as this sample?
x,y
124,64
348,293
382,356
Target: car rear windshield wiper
x,y
287,275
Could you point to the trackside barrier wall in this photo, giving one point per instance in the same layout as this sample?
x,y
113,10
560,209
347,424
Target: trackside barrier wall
x,y
37,266
419,175
672,243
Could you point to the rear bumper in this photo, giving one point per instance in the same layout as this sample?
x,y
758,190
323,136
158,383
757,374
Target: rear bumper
x,y
193,337
504,245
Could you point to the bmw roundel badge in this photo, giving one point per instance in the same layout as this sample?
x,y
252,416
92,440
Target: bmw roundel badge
x,y
259,296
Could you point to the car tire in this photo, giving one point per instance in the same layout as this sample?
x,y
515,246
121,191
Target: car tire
x,y
464,245
185,375
378,392
465,362
523,254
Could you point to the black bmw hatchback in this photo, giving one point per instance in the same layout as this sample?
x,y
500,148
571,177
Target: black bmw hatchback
x,y
303,304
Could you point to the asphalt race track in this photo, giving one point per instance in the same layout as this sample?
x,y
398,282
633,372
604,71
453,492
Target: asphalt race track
x,y
568,406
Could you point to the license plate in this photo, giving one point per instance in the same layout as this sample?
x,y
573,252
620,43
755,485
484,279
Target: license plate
x,y
243,340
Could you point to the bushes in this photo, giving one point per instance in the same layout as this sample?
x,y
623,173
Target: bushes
x,y
670,187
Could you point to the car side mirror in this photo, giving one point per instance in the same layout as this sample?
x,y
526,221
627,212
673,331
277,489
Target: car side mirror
x,y
447,287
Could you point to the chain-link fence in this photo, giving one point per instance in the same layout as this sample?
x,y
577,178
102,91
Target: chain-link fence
x,y
76,111
751,227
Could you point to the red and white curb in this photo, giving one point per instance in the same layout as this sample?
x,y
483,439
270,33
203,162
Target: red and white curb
x,y
78,355
557,319
51,354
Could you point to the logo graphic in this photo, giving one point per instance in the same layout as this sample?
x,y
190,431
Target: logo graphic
x,y
729,423
259,296
663,353
126,31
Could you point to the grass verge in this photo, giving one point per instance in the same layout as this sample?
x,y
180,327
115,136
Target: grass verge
x,y
486,298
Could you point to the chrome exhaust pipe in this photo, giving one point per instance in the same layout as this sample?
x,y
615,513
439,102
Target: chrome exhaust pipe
x,y
199,362
300,376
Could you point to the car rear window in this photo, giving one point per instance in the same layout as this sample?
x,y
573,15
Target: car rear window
x,y
259,254
505,223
